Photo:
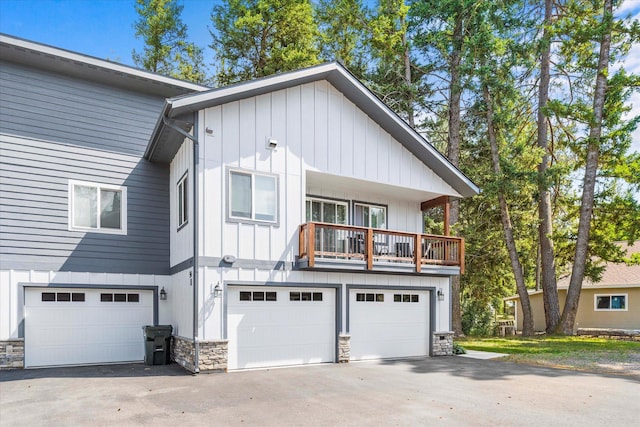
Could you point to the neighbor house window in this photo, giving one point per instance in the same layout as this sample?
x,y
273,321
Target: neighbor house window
x,y
253,196
611,302
183,201
97,207
367,215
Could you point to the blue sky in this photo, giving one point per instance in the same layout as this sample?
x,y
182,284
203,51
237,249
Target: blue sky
x,y
101,28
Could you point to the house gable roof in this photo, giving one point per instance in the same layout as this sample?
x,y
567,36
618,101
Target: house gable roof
x,y
178,112
615,275
37,55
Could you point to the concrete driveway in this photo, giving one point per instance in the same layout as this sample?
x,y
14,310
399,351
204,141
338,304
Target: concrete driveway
x,y
437,391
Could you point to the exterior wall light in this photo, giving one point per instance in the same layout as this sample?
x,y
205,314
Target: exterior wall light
x,y
440,295
217,291
163,294
272,144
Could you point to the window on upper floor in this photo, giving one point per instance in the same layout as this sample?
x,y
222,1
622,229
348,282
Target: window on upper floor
x,y
183,201
610,302
253,196
97,207
368,215
331,211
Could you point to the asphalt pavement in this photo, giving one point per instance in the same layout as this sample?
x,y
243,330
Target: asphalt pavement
x,y
434,391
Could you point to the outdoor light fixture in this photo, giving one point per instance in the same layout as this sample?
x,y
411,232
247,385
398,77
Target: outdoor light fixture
x,y
272,144
217,291
163,294
440,295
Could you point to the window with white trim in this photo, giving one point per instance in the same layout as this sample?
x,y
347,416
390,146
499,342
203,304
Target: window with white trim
x,y
368,215
331,211
253,196
611,302
183,200
97,207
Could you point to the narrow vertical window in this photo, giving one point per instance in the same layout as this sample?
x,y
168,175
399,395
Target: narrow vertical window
x,y
183,200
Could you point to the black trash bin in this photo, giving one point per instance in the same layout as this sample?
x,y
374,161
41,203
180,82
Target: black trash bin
x,y
157,344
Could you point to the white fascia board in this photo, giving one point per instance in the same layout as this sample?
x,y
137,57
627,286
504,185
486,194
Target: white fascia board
x,y
99,63
192,102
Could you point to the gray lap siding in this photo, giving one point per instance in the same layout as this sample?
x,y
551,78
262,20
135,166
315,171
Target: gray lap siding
x,y
54,129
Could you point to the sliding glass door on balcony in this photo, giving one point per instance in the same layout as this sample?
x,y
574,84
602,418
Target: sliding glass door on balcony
x,y
332,212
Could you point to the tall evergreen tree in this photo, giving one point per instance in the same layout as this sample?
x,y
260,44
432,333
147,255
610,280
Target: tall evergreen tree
x,y
394,76
343,26
166,49
591,27
257,38
545,225
441,27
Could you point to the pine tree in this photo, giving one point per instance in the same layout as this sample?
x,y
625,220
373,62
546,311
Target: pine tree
x,y
257,38
166,49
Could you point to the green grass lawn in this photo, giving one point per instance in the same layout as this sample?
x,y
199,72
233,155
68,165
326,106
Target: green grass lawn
x,y
582,353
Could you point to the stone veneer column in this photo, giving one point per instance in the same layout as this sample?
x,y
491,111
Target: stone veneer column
x,y
213,355
183,352
344,348
12,354
442,343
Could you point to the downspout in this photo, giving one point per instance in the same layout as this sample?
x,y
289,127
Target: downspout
x,y
195,243
194,138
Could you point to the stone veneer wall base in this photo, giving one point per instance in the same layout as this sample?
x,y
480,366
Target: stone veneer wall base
x,y
183,352
213,356
12,354
442,343
344,348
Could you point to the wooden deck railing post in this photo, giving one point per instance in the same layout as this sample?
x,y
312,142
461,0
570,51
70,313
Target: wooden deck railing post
x,y
301,250
461,255
369,249
311,244
417,256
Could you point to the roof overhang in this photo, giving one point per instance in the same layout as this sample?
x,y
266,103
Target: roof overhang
x,y
165,141
17,50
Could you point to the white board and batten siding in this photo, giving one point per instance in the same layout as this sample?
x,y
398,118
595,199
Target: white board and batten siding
x,y
317,129
181,237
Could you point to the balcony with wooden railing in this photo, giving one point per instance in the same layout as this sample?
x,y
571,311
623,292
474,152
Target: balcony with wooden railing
x,y
345,247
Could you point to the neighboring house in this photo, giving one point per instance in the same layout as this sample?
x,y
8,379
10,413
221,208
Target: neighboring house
x,y
613,302
282,217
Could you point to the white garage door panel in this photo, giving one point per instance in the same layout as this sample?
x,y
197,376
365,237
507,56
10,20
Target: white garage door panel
x,y
281,332
387,329
85,332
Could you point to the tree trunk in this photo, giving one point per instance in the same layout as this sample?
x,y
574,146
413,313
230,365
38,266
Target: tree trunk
x,y
453,152
545,225
516,266
407,79
568,319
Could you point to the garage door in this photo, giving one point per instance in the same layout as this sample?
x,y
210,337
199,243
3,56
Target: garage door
x,y
388,324
85,326
280,326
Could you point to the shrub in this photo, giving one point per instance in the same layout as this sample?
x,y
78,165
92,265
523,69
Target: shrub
x,y
458,349
477,318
